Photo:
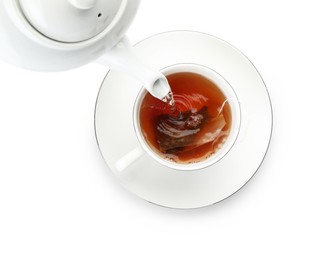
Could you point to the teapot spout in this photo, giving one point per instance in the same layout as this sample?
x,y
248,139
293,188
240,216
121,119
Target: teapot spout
x,y
121,57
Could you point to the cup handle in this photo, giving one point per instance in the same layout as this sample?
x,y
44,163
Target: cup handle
x,y
128,159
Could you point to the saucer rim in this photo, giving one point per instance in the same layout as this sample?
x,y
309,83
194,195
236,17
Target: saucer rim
x,y
269,137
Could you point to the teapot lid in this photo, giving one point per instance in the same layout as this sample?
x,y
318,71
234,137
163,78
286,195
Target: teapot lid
x,y
72,20
61,34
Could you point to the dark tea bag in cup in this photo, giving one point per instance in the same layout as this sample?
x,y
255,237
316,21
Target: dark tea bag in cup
x,y
183,131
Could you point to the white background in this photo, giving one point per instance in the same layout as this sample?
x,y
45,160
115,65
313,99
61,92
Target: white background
x,y
58,200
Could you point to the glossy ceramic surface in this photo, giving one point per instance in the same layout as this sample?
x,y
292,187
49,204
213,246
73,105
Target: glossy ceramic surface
x,y
58,35
138,171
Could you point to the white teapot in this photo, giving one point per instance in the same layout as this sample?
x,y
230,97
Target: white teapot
x,y
58,35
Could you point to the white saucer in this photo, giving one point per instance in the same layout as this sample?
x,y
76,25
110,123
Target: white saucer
x,y
144,176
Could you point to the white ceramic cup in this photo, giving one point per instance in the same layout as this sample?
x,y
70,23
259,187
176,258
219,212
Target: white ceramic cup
x,y
232,100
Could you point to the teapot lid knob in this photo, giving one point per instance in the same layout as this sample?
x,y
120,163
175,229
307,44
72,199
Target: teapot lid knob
x,y
83,4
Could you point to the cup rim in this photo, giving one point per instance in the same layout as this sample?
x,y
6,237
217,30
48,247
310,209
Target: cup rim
x,y
214,158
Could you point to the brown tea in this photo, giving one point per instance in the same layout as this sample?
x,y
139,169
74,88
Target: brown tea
x,y
195,128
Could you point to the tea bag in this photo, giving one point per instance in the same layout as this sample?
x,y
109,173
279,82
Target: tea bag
x,y
184,130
